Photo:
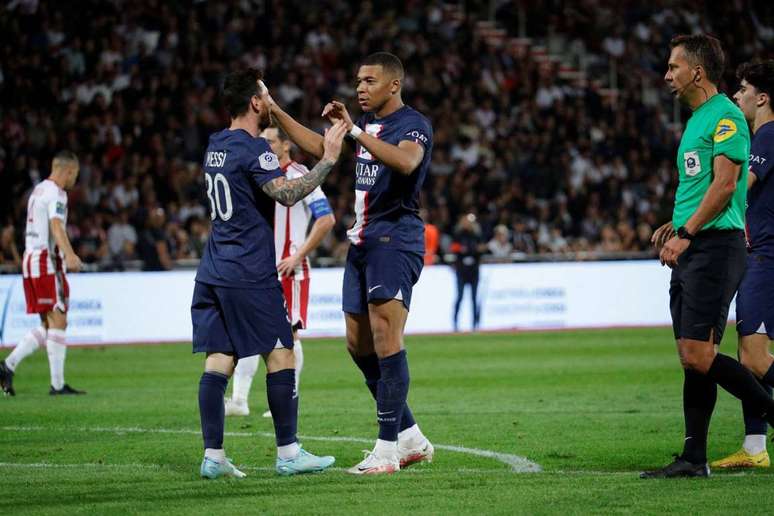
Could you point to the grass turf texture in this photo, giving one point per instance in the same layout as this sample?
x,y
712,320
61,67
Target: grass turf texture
x,y
592,408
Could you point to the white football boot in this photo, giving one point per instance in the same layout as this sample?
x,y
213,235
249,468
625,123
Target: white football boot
x,y
374,464
236,407
410,452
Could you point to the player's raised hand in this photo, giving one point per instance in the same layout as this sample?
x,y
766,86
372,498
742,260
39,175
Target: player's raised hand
x,y
263,93
334,136
335,111
662,234
73,263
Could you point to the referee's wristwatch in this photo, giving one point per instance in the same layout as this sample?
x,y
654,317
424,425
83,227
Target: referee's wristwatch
x,y
684,233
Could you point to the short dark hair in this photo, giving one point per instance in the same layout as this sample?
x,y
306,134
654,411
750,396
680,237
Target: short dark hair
x,y
65,156
759,75
704,50
388,61
238,88
281,134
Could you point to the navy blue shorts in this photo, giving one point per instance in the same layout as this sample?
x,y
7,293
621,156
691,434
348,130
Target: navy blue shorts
x,y
755,299
239,321
377,274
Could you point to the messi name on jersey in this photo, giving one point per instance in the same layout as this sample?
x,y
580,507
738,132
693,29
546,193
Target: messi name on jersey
x,y
240,248
215,159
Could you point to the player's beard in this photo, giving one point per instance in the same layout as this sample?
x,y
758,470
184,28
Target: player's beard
x,y
264,120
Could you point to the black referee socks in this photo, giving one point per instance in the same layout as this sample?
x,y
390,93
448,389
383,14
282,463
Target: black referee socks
x,y
699,395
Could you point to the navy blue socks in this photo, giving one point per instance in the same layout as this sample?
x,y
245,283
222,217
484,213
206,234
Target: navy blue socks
x,y
212,387
737,380
283,403
753,424
369,365
391,394
768,378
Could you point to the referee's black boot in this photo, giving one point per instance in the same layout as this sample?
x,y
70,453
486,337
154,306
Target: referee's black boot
x,y
678,468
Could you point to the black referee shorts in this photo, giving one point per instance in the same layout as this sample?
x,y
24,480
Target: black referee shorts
x,y
704,282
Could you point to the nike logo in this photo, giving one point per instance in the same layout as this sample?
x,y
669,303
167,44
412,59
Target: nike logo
x,y
384,413
373,288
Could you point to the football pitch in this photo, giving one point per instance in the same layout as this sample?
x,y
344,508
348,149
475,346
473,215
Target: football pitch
x,y
528,423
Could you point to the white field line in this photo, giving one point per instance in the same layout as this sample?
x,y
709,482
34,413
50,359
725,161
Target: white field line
x,y
410,471
517,463
262,469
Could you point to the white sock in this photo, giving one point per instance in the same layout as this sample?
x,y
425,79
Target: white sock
x,y
28,345
288,451
386,448
754,444
57,350
216,454
411,435
298,351
243,377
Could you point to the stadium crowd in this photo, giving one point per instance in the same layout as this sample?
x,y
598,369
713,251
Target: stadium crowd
x,y
547,162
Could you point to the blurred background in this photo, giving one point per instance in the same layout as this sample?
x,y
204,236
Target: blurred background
x,y
552,123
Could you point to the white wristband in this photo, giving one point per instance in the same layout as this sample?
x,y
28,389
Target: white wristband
x,y
355,132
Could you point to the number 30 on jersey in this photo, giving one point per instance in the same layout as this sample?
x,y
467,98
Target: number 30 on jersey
x,y
219,194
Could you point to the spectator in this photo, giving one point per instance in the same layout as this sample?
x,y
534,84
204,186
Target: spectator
x,y
522,239
91,242
644,232
517,134
152,246
610,240
500,246
183,246
9,253
199,231
122,239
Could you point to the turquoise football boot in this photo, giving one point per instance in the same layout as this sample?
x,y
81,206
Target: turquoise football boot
x,y
304,462
213,469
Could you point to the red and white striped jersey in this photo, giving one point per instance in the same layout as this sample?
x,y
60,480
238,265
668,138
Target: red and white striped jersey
x,y
291,222
47,201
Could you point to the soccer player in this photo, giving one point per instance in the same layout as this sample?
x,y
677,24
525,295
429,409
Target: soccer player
x,y
237,309
755,299
48,255
292,247
394,144
707,253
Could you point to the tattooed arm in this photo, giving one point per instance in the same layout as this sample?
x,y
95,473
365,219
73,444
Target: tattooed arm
x,y
289,191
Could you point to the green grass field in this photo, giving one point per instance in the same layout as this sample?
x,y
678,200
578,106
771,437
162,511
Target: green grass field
x,y
592,408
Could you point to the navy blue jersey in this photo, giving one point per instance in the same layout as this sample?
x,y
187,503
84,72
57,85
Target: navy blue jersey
x,y
760,198
386,201
240,248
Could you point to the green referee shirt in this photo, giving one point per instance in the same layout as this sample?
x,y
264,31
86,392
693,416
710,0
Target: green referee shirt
x,y
716,127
